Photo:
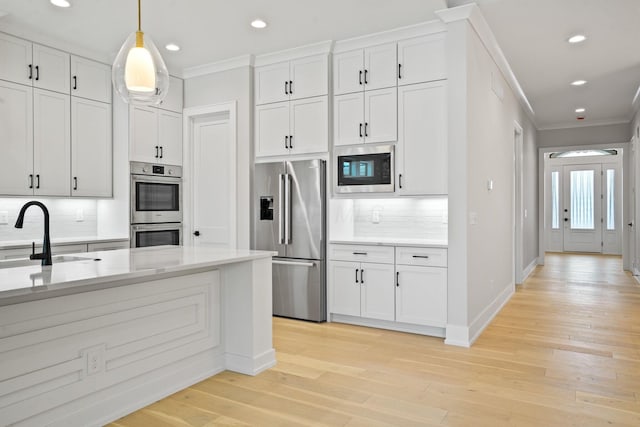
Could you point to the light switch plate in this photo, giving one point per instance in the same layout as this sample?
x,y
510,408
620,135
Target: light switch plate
x,y
4,217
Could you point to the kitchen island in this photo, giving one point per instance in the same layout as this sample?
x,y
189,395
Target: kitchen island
x,y
102,334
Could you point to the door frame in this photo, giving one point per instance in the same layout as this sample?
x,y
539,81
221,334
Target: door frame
x,y
229,111
543,153
518,203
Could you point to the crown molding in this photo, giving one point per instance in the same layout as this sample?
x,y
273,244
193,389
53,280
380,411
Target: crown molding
x,y
572,125
360,42
323,47
216,67
472,14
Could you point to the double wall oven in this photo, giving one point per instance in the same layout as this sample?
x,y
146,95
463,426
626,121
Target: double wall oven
x,y
156,205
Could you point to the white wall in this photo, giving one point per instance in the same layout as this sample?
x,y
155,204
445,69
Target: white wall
x,y
221,87
584,135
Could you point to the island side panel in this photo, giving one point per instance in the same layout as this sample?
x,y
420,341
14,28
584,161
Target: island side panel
x,y
248,310
89,358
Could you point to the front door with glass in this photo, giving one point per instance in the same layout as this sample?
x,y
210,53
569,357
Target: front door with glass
x,y
582,212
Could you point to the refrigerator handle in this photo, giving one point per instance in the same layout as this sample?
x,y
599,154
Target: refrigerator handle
x,y
287,208
281,209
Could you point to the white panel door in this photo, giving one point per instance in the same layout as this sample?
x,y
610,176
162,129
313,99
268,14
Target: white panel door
x,y
422,152
51,69
344,279
348,119
309,77
381,115
143,134
309,125
170,137
421,295
380,63
213,183
348,69
272,83
16,139
582,208
272,129
91,148
90,79
51,143
16,64
378,293
174,99
422,59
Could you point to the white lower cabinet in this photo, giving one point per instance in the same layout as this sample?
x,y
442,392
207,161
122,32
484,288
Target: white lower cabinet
x,y
406,286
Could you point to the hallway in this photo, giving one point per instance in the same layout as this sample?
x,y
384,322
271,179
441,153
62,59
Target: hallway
x,y
565,351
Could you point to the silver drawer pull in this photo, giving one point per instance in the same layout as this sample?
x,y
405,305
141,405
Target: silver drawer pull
x,y
360,253
421,256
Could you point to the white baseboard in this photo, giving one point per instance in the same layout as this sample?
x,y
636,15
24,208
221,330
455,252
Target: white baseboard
x,y
463,336
250,366
529,269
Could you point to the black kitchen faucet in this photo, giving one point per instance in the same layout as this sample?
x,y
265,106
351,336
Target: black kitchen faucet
x,y
45,256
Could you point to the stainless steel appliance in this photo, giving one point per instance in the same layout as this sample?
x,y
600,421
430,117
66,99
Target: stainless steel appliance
x,y
289,205
143,235
156,193
364,169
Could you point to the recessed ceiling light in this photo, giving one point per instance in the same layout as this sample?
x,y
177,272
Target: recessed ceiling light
x,y
258,23
579,82
172,47
578,38
580,110
60,3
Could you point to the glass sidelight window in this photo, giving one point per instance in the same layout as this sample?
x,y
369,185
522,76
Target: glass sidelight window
x,y
611,210
555,200
582,200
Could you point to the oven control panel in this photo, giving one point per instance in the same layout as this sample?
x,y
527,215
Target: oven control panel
x,y
139,168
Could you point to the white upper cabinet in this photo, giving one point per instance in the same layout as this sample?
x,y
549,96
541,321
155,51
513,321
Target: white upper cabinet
x,y
91,148
348,115
272,129
50,69
16,138
300,78
365,69
16,64
174,99
155,135
422,59
368,117
90,79
170,137
421,152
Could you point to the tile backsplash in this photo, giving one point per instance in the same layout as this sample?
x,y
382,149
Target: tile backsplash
x,y
68,218
410,218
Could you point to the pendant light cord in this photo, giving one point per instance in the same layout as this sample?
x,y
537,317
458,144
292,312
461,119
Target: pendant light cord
x,y
139,17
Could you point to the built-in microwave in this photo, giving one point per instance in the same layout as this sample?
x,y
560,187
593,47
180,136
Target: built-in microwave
x,y
364,169
156,193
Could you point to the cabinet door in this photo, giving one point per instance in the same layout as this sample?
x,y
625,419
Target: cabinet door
x,y
16,59
51,69
91,148
272,125
422,59
309,125
16,139
309,77
270,83
422,139
378,295
90,79
380,63
51,143
348,69
421,295
381,116
170,137
348,119
143,134
173,100
345,287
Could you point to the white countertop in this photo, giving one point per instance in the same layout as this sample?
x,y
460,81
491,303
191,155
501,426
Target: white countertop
x,y
18,244
20,284
383,241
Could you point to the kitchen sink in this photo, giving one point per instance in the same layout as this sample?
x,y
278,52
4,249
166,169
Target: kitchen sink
x,y
26,262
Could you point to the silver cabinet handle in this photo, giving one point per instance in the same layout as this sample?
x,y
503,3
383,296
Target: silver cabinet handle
x,y
287,208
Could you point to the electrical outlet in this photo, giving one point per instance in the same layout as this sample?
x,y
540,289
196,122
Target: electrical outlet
x,y
375,216
95,359
79,215
4,217
473,218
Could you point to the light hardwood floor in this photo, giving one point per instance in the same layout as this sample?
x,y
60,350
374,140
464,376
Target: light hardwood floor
x,y
565,351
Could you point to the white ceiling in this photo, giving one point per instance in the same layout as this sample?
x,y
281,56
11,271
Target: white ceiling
x,y
532,34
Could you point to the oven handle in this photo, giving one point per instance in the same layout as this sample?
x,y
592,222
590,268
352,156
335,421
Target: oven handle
x,y
162,179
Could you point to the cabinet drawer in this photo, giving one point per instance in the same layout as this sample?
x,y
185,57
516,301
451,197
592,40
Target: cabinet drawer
x,y
363,253
431,257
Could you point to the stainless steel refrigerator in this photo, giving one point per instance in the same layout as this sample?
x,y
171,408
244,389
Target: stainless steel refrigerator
x,y
290,218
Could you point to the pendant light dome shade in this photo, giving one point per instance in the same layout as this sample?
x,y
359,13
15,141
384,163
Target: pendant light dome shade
x,y
139,74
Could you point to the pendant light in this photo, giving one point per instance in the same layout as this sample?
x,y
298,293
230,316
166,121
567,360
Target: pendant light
x,y
139,74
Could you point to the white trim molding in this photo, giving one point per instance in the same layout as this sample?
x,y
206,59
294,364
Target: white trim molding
x,y
585,125
216,67
295,53
529,269
471,12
